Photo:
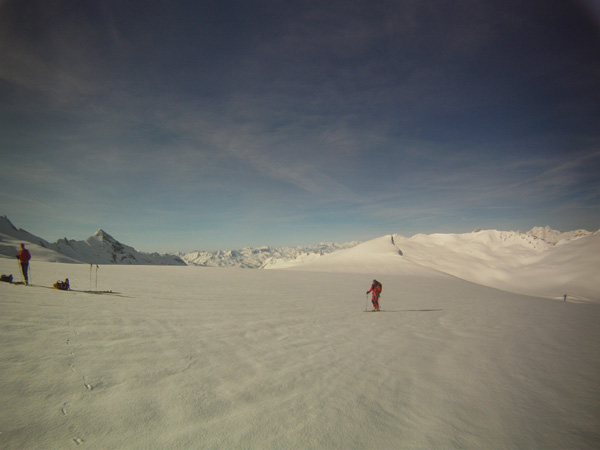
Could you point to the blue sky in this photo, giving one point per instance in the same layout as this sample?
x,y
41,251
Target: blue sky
x,y
209,125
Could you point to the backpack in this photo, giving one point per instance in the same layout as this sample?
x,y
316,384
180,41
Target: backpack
x,y
62,285
6,278
378,285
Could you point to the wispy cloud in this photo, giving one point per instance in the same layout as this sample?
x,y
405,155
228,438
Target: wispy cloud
x,y
302,114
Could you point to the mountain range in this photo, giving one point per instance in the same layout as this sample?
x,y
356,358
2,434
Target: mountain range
x,y
561,262
102,248
255,258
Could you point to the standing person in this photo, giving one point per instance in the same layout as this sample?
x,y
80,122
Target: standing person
x,y
376,290
24,256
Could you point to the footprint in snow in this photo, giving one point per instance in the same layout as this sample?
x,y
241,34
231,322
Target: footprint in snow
x,y
89,387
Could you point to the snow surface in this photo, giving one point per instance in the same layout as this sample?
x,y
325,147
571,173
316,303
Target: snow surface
x,y
191,357
542,262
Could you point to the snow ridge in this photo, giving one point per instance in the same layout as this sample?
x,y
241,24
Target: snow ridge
x,y
542,262
554,237
8,229
100,248
254,258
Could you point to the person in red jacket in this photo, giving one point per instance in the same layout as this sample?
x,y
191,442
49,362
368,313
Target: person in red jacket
x,y
376,290
24,256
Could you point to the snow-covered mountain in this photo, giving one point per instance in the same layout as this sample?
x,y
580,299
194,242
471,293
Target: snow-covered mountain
x,y
257,257
8,230
541,261
11,237
100,248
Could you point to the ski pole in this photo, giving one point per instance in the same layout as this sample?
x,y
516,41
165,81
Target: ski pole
x,y
30,277
366,301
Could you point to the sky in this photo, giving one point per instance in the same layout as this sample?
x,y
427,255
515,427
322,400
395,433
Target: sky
x,y
205,125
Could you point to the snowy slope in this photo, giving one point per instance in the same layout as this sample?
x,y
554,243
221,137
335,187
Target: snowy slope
x,y
542,262
9,230
210,358
9,247
378,256
100,248
11,238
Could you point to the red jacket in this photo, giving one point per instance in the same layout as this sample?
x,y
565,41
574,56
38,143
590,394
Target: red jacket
x,y
24,256
376,290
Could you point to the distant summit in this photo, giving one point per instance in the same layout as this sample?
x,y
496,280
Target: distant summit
x,y
567,262
102,235
254,258
100,248
553,237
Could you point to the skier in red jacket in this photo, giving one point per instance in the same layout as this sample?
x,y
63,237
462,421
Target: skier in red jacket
x,y
24,256
376,290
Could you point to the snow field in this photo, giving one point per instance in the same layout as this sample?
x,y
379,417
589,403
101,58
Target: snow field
x,y
188,357
503,260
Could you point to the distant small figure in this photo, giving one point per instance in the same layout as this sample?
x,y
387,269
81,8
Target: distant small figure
x,y
24,256
62,285
376,288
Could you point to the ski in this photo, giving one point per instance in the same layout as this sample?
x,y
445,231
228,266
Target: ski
x,y
107,292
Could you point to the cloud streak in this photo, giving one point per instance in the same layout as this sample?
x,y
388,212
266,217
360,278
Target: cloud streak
x,y
367,116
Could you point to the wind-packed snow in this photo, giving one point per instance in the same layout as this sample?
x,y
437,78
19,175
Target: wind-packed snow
x,y
194,358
